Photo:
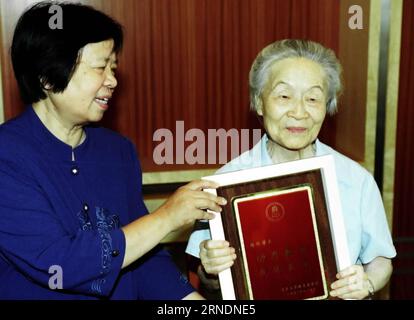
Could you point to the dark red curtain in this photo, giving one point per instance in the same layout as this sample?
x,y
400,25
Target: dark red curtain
x,y
188,60
402,284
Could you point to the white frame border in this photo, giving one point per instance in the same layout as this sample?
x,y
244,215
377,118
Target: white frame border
x,y
333,202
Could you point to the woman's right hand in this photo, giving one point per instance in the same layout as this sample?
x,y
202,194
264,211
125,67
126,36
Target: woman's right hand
x,y
189,203
185,206
216,256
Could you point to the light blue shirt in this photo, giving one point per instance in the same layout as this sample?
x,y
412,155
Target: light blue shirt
x,y
367,230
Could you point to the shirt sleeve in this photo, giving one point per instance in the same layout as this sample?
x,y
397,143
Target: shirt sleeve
x,y
34,240
196,237
376,236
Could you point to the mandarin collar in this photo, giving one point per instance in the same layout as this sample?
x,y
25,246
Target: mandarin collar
x,y
50,144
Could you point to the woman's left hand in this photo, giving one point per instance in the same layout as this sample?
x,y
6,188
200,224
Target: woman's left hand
x,y
352,283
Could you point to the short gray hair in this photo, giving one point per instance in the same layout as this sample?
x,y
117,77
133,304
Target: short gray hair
x,y
292,48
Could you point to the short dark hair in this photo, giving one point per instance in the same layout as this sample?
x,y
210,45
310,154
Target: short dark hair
x,y
42,55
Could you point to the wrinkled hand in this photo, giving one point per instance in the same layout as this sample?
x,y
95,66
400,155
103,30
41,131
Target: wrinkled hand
x,y
189,203
216,256
352,283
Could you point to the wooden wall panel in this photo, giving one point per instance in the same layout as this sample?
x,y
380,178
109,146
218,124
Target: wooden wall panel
x,y
402,286
10,11
353,54
189,60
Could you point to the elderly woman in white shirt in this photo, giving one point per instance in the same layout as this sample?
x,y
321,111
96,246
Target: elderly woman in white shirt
x,y
293,85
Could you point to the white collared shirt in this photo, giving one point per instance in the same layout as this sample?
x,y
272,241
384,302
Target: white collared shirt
x,y
366,225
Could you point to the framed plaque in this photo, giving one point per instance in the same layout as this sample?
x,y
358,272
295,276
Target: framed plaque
x,y
286,224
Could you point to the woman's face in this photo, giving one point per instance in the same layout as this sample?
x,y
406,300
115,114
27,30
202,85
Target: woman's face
x,y
294,102
85,99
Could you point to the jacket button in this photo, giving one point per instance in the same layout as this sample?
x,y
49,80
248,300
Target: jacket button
x,y
75,171
85,207
115,253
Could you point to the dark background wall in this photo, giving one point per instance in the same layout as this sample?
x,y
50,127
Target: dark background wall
x,y
402,286
189,60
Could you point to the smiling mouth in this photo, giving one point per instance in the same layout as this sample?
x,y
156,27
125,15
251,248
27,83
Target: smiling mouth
x,y
296,129
102,102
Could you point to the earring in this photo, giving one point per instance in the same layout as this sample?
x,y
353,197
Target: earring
x,y
46,86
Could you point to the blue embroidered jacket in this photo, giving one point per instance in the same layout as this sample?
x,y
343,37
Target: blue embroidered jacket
x,y
64,213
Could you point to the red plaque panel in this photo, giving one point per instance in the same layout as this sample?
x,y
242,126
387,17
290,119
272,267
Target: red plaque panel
x,y
280,244
281,232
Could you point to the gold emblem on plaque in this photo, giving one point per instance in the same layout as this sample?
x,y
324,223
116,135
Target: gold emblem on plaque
x,y
274,212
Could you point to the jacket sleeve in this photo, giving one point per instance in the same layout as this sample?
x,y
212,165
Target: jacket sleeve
x,y
158,278
156,275
34,241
